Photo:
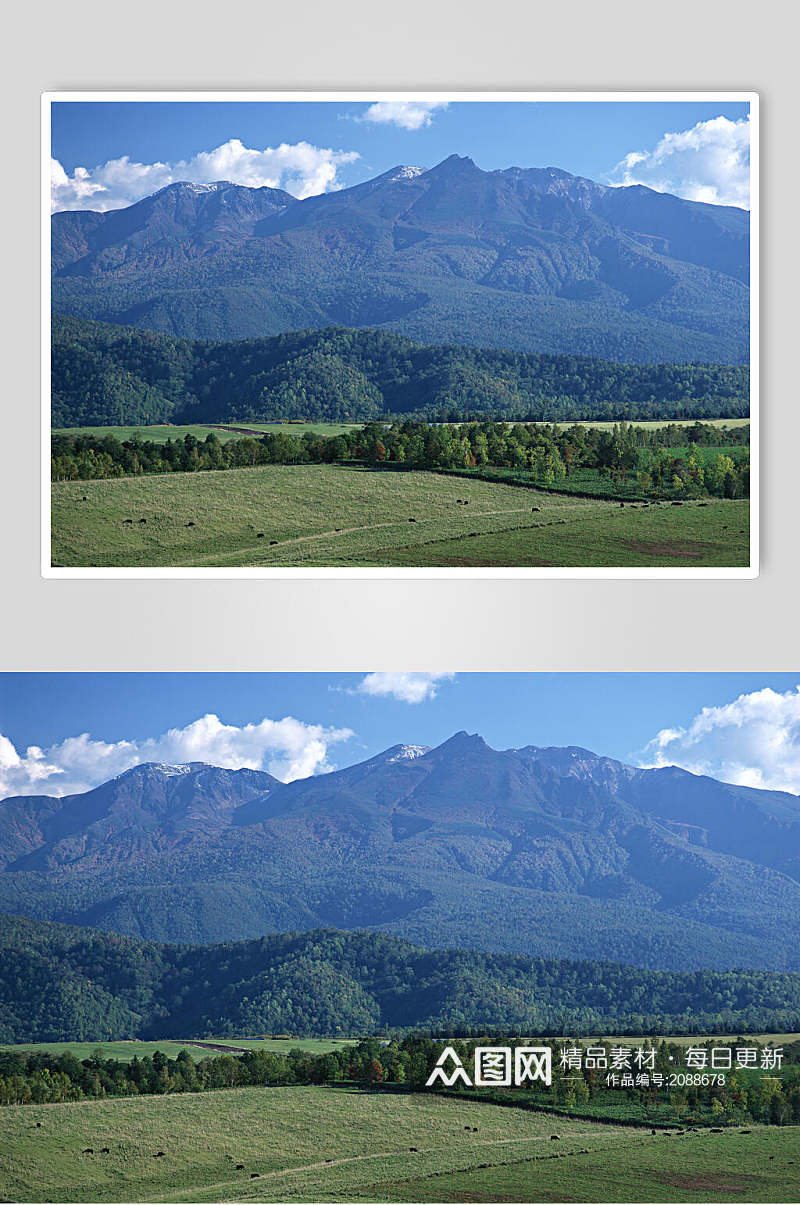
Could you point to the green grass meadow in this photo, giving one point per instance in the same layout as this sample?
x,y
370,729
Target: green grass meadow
x,y
203,1048
161,432
334,515
330,1144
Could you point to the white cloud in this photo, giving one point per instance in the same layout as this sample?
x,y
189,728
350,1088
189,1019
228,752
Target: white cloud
x,y
408,688
710,162
287,748
299,168
407,114
753,741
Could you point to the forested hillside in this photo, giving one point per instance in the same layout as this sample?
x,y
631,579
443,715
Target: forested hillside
x,y
59,983
112,375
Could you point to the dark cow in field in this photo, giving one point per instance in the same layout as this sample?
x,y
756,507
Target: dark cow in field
x,y
240,1167
555,1137
88,1150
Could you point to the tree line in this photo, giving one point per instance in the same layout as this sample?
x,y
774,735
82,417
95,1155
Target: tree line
x,y
671,461
772,1098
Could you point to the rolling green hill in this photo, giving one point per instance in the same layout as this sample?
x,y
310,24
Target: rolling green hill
x,y
59,983
111,375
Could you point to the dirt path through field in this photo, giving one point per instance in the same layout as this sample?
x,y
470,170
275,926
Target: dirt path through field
x,y
326,1164
575,512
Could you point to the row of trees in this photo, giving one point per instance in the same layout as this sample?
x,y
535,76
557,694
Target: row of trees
x,y
671,461
769,1098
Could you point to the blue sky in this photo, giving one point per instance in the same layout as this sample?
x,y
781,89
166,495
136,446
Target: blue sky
x,y
743,727
705,155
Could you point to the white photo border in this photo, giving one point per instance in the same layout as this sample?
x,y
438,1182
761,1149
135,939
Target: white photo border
x,y
48,570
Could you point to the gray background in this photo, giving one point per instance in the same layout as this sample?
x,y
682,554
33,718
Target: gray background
x,y
419,624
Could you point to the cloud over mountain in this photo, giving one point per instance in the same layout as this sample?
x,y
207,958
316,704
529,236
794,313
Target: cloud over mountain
x,y
710,163
286,748
299,168
753,741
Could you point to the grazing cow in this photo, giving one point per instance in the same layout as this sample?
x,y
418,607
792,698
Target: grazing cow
x,y
240,1167
652,1131
38,1125
329,1160
413,1150
412,520
254,1175
677,504
127,520
474,1129
83,499
259,535
273,542
87,1150
467,1127
716,1130
555,1137
745,1131
190,523
725,527
143,520
158,1155
104,1150
621,505
536,508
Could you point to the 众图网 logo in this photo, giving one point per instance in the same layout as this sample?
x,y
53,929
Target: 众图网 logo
x,y
495,1067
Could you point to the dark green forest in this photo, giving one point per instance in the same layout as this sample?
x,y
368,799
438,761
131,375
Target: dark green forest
x,y
106,375
59,983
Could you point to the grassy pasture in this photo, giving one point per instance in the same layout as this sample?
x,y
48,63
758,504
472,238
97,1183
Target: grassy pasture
x,y
350,516
161,432
172,1048
649,424
689,536
322,1144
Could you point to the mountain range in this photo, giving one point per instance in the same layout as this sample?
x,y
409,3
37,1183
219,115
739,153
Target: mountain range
x,y
527,259
549,852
